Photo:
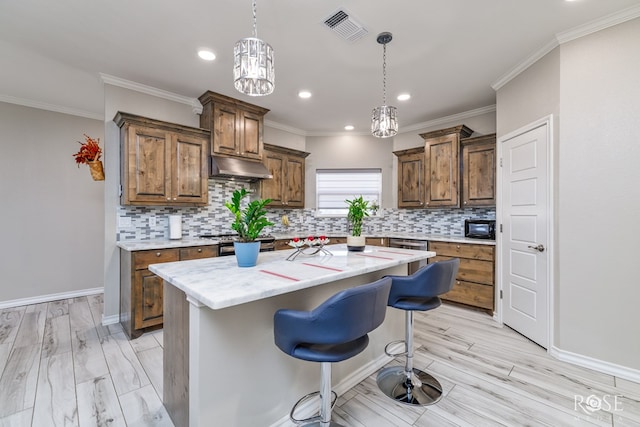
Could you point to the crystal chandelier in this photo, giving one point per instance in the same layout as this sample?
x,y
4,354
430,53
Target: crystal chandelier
x,y
384,119
253,69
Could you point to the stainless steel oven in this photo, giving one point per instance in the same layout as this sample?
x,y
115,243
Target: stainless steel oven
x,y
225,247
421,245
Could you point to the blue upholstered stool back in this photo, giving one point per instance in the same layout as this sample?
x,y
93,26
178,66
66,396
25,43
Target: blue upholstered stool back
x,y
420,290
335,330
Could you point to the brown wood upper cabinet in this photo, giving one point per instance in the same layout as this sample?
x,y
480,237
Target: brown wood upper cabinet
x,y
236,126
286,189
479,171
411,191
442,166
162,163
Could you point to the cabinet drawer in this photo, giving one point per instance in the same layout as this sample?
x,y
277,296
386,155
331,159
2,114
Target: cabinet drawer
x,y
472,270
281,245
376,241
198,252
462,250
142,259
469,293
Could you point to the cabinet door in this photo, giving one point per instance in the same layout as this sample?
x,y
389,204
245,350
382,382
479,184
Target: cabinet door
x,y
148,165
190,180
226,130
411,190
294,182
479,174
273,188
442,171
376,241
147,295
250,135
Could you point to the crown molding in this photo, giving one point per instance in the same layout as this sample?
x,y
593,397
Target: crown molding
x,y
150,90
50,107
526,63
599,24
280,126
448,119
566,36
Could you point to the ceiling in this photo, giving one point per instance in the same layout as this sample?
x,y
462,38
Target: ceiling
x,y
446,54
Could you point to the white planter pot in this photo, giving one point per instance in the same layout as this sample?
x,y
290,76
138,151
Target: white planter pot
x,y
356,243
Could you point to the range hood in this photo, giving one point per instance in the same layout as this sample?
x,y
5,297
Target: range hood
x,y
236,168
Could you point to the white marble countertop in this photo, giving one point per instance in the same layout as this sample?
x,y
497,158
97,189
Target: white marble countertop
x,y
392,235
143,245
219,283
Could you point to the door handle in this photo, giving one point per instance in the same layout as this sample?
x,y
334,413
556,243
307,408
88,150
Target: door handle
x,y
539,248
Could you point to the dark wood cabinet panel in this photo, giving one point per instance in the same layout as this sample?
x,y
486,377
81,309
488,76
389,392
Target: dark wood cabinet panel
x,y
286,188
479,171
162,163
411,190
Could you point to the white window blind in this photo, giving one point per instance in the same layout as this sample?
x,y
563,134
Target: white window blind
x,y
334,186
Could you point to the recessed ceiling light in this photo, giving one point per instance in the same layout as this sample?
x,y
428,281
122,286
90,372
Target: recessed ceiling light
x,y
304,94
404,97
349,127
207,55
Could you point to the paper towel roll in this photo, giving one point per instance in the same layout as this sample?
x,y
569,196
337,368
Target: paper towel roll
x,y
175,226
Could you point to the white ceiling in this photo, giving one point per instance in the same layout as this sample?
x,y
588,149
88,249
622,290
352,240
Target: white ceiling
x,y
446,53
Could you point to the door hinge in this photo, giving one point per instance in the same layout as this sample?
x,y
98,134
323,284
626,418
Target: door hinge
x,y
120,191
500,293
500,161
501,228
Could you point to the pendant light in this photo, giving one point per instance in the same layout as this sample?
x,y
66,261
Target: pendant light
x,y
384,119
253,68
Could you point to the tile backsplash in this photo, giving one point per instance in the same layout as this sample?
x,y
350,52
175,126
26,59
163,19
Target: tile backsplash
x,y
136,223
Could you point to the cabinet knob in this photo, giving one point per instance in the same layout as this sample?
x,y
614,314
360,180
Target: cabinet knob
x,y
457,282
457,246
199,249
158,254
168,198
174,198
465,202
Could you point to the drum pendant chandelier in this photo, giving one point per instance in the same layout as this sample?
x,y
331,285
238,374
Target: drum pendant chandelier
x,y
253,65
384,119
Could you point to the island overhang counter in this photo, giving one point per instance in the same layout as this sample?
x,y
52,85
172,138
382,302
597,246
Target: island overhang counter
x,y
221,366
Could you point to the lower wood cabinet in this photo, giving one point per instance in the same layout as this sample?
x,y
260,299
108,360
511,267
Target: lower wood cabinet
x,y
475,282
377,241
141,290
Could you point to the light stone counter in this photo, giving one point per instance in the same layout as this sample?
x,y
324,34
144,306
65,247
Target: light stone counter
x,y
392,235
144,245
221,365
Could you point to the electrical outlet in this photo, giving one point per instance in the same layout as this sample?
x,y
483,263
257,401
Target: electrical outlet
x,y
124,222
152,221
401,217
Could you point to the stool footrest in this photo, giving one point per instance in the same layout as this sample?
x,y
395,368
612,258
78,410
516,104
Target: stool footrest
x,y
392,343
334,399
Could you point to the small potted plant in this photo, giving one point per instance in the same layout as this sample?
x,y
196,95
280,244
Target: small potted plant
x,y
358,209
248,223
89,154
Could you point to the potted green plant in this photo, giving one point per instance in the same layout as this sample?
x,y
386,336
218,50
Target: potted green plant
x,y
358,209
248,222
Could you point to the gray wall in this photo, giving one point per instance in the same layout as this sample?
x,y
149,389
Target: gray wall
x,y
52,212
591,87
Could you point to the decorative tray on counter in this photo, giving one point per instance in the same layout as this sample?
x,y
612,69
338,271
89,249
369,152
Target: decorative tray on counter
x,y
309,246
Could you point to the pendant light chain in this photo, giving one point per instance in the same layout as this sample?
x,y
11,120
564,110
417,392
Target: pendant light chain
x,y
384,74
255,21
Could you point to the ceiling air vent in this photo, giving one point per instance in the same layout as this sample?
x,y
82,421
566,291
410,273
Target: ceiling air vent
x,y
345,26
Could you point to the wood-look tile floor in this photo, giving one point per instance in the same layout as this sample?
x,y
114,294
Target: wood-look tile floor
x,y
61,367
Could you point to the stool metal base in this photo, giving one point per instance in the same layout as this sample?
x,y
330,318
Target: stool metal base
x,y
420,390
319,424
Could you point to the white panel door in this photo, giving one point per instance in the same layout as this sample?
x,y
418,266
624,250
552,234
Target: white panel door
x,y
525,302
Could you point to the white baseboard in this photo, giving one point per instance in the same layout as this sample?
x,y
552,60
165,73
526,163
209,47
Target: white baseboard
x,y
619,371
48,298
308,408
110,320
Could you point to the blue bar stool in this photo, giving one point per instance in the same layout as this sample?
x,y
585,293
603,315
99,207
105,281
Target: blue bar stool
x,y
418,292
336,330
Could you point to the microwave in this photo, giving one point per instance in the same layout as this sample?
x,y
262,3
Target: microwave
x,y
480,228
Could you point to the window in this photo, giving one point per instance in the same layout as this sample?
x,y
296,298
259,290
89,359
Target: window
x,y
334,186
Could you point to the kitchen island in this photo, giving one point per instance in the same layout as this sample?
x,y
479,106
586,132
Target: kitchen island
x,y
221,366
